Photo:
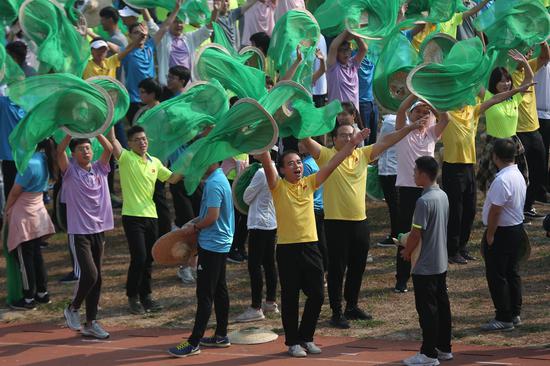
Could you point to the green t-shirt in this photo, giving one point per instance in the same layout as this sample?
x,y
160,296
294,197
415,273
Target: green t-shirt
x,y
502,118
137,182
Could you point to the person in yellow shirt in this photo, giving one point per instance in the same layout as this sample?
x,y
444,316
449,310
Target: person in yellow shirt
x,y
298,257
346,227
100,64
528,131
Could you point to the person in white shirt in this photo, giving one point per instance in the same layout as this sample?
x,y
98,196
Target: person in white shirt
x,y
542,93
262,228
503,216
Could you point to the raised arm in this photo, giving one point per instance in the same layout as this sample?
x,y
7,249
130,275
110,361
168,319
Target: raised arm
x,y
167,23
391,139
333,50
107,149
476,9
213,15
117,147
401,117
292,69
62,159
544,56
442,122
313,147
529,74
132,45
362,51
322,67
271,175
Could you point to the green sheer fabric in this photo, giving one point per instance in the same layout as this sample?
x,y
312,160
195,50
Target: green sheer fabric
x,y
457,80
382,17
177,121
60,47
250,56
215,62
9,70
14,283
9,11
118,93
240,184
246,128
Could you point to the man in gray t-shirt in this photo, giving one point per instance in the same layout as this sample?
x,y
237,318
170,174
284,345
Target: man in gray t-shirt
x,y
430,272
227,19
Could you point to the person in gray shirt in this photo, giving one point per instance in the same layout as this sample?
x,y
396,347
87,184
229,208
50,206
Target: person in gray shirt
x,y
429,274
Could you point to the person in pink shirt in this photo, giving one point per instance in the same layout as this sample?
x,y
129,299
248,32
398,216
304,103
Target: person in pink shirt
x,y
259,18
342,78
285,5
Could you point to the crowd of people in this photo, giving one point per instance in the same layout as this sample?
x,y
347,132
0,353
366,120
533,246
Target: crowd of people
x,y
307,221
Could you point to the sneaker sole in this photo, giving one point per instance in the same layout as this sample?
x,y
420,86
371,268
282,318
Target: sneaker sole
x,y
216,345
298,356
499,330
21,308
249,320
91,335
182,356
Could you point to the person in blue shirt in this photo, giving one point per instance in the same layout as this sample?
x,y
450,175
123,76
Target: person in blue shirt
x,y
10,115
367,106
215,228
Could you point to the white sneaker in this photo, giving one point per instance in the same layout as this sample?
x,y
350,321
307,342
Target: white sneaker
x,y
444,356
250,315
186,275
370,258
72,318
421,359
95,330
297,351
311,347
270,307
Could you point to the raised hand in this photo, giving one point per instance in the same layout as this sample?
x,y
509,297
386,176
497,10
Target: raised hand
x,y
360,136
517,56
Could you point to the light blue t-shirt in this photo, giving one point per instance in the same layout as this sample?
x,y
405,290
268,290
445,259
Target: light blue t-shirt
x,y
310,167
217,193
366,75
10,114
139,64
35,177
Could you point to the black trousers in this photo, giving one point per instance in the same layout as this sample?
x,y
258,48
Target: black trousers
x,y
502,272
211,288
241,233
321,237
261,253
390,196
348,248
434,312
407,197
545,132
163,210
536,159
300,268
320,100
9,171
89,253
141,233
186,207
33,270
459,183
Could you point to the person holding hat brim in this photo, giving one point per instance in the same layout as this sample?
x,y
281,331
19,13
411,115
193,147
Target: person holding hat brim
x,y
129,16
100,64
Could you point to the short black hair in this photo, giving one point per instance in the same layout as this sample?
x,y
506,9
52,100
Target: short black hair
x,y
151,86
17,50
181,72
131,27
79,141
98,39
334,131
505,150
427,165
496,76
133,130
261,40
110,13
281,162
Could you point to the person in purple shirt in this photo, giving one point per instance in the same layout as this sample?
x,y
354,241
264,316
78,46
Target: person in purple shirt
x,y
89,215
342,78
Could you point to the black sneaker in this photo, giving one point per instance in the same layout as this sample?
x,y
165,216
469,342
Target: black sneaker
x,y
235,257
150,305
457,259
69,278
215,341
134,306
533,214
338,320
468,256
43,299
400,289
386,243
357,314
22,304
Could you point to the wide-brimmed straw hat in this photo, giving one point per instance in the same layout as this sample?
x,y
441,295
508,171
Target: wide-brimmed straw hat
x,y
175,247
252,335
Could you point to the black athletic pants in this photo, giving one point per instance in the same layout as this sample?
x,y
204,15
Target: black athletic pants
x,y
33,270
186,207
261,253
536,158
348,248
9,171
390,196
141,233
300,268
545,132
163,210
211,288
321,236
459,183
89,253
434,312
502,272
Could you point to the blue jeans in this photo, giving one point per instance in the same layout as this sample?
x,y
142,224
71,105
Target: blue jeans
x,y
369,116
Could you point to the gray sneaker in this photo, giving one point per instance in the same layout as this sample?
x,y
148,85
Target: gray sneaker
x,y
516,320
297,351
135,306
95,330
250,315
186,275
496,325
311,348
72,318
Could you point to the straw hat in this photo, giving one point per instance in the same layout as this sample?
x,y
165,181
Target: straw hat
x,y
436,48
175,247
252,335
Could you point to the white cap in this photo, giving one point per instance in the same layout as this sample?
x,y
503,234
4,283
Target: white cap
x,y
99,43
128,12
416,104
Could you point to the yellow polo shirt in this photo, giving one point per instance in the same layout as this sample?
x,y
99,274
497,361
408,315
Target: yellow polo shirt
x,y
107,68
137,182
528,119
450,26
344,191
421,36
459,137
294,210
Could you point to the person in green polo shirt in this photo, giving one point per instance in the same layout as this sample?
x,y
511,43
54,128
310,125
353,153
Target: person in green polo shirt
x,y
138,173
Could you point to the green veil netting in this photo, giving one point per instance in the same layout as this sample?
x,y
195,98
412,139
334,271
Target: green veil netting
x,y
192,11
9,70
457,80
215,62
249,55
382,16
177,121
246,128
9,11
118,93
13,273
83,109
240,184
60,47
296,27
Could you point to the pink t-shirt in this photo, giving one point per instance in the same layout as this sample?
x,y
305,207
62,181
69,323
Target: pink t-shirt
x,y
285,5
410,148
343,82
259,18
